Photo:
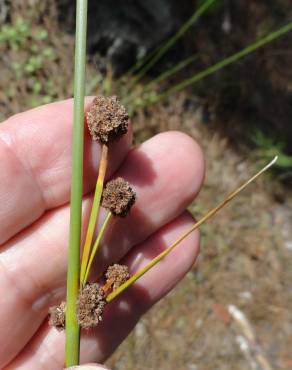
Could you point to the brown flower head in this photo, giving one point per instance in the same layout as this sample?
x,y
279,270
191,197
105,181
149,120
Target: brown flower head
x,y
57,316
107,119
90,305
117,275
118,197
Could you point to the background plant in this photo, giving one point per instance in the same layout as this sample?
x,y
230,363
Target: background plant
x,y
32,54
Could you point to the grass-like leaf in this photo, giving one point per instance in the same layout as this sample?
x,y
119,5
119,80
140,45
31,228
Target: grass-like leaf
x,y
172,40
72,327
95,247
228,61
209,214
94,212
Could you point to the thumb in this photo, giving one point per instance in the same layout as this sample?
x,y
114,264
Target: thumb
x,y
88,367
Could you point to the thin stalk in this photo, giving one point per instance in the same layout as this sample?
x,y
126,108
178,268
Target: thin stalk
x,y
96,245
210,214
164,76
218,66
224,63
170,72
141,62
72,346
94,210
138,64
172,40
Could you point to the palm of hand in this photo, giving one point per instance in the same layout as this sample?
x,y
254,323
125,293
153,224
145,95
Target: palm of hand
x,y
35,150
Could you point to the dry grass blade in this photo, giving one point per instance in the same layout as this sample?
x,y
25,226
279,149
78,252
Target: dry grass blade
x,y
210,214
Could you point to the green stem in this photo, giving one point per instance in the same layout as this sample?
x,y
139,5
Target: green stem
x,y
233,58
94,210
140,63
162,77
210,214
72,328
170,72
96,245
169,43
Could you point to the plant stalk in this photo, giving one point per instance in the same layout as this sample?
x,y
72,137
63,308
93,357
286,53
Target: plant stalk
x,y
96,245
170,72
230,60
210,214
163,76
94,211
72,346
169,43
220,65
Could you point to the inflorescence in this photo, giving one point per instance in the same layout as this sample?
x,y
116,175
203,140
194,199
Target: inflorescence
x,y
107,121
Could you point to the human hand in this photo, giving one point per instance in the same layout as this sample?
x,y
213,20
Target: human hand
x,y
35,150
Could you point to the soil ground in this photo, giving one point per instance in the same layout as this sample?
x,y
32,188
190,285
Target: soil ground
x,y
245,261
246,253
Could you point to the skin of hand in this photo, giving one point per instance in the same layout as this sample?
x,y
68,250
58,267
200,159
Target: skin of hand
x,y
166,172
88,367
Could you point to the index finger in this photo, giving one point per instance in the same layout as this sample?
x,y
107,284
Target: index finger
x,y
35,166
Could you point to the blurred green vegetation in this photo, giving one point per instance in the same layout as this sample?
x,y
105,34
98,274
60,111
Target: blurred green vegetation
x,y
31,45
267,148
35,59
